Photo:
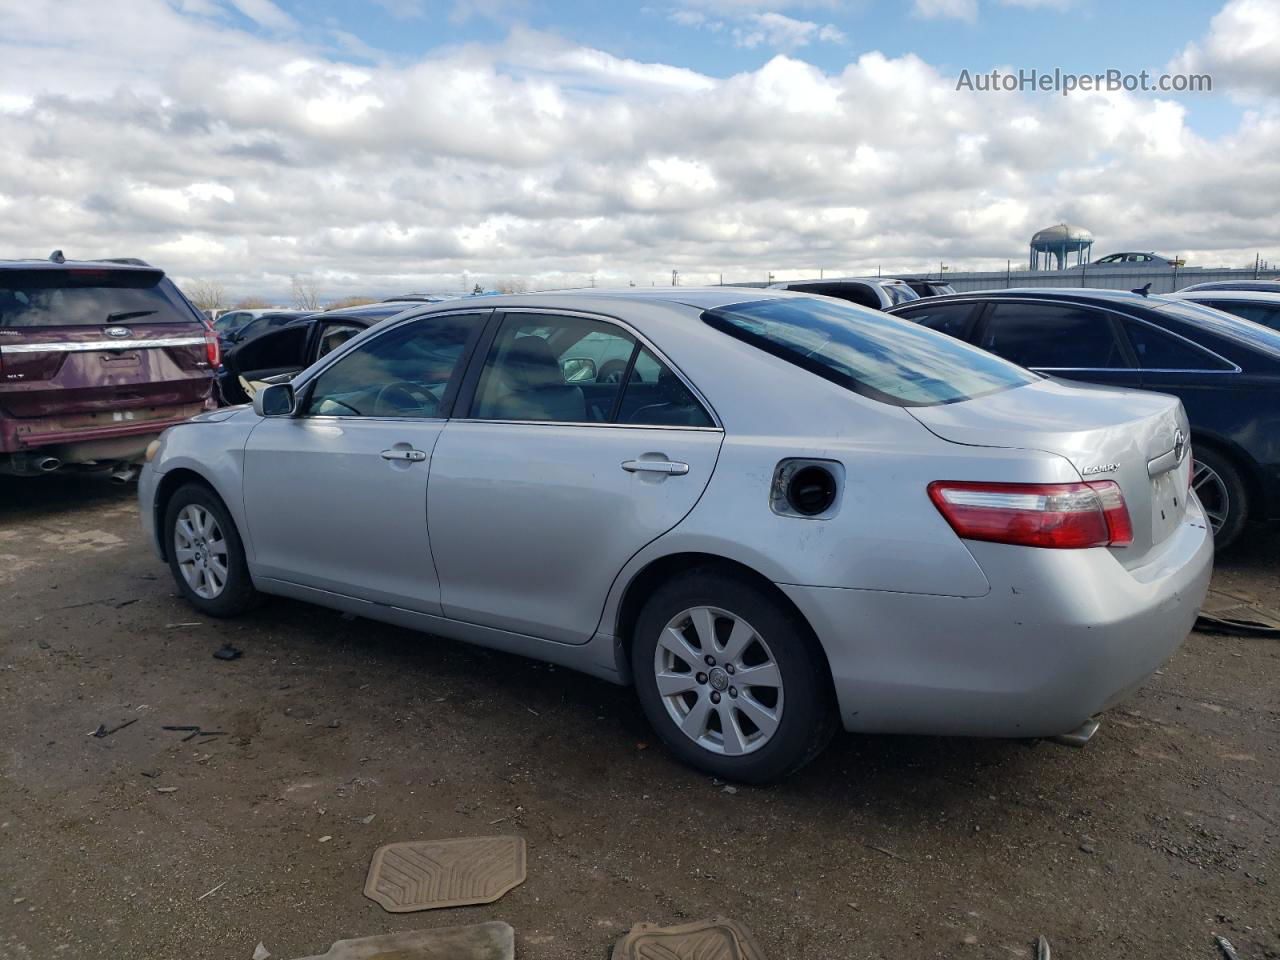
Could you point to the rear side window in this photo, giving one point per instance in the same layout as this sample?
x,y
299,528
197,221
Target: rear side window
x,y
1052,337
654,396
89,297
878,356
1158,350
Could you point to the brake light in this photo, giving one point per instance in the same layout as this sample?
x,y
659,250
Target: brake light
x,y
211,348
1056,515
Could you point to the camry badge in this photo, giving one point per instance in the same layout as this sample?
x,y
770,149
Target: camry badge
x,y
1179,445
1100,468
118,331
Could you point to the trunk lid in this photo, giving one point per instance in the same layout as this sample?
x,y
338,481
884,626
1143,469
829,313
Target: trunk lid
x,y
1127,436
108,344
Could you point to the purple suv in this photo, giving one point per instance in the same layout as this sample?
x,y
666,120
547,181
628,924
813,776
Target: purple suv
x,y
97,358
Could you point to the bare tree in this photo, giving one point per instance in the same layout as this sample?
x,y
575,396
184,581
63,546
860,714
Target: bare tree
x,y
206,294
512,285
306,295
350,302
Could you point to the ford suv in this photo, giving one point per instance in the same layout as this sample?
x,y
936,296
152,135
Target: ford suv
x,y
97,358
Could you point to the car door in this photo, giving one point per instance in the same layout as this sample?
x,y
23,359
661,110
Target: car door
x,y
336,495
548,485
1072,341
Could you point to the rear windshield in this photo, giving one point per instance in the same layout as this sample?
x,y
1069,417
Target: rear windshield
x,y
75,298
900,293
872,354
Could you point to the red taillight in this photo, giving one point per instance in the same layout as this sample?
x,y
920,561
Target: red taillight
x,y
1061,515
211,349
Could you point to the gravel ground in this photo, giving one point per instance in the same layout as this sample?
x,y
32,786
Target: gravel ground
x,y
1158,835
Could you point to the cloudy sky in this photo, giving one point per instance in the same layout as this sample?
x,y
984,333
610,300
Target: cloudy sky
x,y
405,144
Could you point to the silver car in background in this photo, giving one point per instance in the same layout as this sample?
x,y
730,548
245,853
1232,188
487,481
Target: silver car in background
x,y
789,515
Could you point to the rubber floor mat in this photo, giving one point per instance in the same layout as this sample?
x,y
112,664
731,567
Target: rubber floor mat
x,y
480,941
429,874
705,940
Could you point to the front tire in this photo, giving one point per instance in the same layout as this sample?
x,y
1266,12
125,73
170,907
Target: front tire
x,y
206,555
731,679
1222,493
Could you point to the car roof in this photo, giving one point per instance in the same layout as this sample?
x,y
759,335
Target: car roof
x,y
604,301
118,265
1254,296
1076,294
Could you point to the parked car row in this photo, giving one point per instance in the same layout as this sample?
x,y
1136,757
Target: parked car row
x,y
1224,369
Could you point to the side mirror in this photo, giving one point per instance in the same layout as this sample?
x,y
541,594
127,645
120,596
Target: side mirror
x,y
578,369
275,400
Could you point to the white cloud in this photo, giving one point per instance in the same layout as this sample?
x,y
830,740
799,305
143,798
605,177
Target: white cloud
x,y
171,135
946,9
265,14
780,32
1242,50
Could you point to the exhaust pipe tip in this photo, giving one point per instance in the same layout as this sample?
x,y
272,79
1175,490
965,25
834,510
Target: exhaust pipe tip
x,y
1079,736
48,464
122,477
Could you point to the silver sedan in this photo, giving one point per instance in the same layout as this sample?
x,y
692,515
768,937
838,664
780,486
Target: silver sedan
x,y
788,514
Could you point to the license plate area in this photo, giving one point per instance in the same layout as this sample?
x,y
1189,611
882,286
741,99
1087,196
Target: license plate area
x,y
1168,502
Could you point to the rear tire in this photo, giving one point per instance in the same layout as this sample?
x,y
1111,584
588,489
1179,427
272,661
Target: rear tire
x,y
706,714
206,554
1222,493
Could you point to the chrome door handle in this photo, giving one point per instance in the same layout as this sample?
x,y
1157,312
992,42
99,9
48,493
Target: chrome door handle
x,y
671,468
413,456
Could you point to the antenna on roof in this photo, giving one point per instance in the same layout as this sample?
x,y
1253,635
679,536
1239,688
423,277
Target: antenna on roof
x,y
57,257
1145,290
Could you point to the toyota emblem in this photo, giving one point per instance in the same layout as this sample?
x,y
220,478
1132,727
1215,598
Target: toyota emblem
x,y
1179,445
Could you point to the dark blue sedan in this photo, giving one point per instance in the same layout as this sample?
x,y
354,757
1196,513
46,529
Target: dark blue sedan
x,y
1225,370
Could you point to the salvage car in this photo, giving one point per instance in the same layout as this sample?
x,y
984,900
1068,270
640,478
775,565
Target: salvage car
x,y
97,358
802,515
1226,371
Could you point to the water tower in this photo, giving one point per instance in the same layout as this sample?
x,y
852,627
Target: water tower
x,y
1059,243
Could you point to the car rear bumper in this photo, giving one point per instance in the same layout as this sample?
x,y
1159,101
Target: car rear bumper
x,y
1062,635
74,442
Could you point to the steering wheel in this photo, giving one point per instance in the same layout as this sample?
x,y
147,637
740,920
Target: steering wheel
x,y
401,398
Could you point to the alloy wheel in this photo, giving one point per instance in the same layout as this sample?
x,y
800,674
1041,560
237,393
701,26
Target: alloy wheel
x,y
1212,493
719,681
201,551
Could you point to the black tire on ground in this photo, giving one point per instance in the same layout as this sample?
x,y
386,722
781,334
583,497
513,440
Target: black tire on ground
x,y
809,717
1236,512
238,594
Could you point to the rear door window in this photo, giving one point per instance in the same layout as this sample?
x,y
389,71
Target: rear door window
x,y
879,356
1157,350
654,396
89,297
1044,336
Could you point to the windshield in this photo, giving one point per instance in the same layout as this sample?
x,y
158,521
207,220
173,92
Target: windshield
x,y
59,298
1226,324
873,354
900,293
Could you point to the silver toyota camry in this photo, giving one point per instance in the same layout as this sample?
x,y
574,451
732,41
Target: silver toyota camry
x,y
774,514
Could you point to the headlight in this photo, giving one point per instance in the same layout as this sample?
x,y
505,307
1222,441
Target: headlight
x,y
152,449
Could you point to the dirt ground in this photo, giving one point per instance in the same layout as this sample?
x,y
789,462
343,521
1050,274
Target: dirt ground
x,y
1160,833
